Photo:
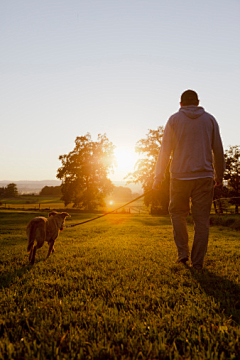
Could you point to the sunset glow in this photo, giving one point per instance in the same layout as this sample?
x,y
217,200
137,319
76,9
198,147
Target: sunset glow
x,y
109,67
126,160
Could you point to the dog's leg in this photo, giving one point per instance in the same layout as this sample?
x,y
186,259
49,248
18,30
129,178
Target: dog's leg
x,y
33,254
51,248
31,236
30,254
40,238
37,246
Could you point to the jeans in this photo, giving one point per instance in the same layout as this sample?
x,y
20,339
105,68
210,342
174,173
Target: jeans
x,y
200,191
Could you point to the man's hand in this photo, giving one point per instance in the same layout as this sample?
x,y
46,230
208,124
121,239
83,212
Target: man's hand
x,y
157,185
218,183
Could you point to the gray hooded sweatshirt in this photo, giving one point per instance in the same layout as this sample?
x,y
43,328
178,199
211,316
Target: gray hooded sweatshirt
x,y
192,139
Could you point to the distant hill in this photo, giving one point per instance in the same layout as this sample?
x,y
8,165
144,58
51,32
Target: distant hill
x,y
30,187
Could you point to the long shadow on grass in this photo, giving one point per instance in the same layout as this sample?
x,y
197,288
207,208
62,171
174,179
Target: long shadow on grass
x,y
7,279
224,291
15,276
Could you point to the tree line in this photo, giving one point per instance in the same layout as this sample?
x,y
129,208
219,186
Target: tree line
x,y
85,173
10,191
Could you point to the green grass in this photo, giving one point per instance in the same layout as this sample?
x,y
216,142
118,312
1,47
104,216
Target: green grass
x,y
32,202
112,290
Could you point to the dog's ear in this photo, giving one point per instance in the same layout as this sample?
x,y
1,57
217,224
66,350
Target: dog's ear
x,y
52,213
65,214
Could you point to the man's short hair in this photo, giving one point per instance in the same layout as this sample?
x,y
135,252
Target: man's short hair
x,y
189,97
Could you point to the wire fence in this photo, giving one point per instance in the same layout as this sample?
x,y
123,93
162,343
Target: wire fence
x,y
219,206
38,206
58,206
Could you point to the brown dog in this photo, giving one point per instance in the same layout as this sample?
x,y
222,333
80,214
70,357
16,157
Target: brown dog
x,y
44,229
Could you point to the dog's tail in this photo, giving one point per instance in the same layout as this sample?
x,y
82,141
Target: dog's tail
x,y
30,236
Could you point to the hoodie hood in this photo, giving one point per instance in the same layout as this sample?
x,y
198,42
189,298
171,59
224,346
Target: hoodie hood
x,y
192,111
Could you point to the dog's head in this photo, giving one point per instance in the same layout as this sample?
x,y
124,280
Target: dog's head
x,y
59,218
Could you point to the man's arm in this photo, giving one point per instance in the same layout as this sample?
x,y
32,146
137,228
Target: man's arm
x,y
218,155
163,156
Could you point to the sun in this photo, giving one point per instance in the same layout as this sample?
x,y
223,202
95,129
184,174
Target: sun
x,y
126,159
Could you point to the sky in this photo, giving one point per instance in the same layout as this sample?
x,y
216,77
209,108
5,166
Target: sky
x,y
118,67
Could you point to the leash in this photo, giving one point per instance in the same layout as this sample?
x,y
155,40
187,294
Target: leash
x,y
110,212
120,207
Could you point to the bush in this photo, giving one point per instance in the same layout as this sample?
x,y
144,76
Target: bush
x,y
231,221
225,220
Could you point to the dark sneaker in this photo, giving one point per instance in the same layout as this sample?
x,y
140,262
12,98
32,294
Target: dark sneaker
x,y
196,268
183,260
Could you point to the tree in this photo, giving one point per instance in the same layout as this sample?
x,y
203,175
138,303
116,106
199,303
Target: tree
x,y
11,191
220,199
84,172
50,191
232,173
145,171
2,192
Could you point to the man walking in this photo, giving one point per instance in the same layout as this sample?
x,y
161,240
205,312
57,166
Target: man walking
x,y
192,140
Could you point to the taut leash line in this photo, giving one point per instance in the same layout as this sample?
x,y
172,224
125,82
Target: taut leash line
x,y
120,207
110,212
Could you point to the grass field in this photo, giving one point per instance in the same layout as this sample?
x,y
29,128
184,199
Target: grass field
x,y
112,290
32,202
